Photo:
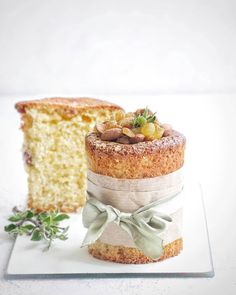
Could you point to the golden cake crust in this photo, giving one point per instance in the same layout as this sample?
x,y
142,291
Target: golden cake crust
x,y
140,160
128,255
74,105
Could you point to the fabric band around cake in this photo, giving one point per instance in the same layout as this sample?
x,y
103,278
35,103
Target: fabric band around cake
x,y
142,213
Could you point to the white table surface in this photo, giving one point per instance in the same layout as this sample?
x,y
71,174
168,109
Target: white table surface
x,y
209,123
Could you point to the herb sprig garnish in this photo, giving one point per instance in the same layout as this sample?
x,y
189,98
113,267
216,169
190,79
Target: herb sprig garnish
x,y
40,226
142,119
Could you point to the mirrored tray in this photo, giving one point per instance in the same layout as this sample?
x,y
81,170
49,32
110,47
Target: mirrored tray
x,y
67,259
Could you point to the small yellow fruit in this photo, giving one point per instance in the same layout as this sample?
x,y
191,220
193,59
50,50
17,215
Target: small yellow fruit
x,y
159,131
148,129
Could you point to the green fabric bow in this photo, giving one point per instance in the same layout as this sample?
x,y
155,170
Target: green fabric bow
x,y
143,225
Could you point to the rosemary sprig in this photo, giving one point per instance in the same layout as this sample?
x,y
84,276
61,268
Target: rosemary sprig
x,y
40,226
142,119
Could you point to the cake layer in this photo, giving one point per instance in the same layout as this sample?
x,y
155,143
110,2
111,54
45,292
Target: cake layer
x,y
128,255
140,160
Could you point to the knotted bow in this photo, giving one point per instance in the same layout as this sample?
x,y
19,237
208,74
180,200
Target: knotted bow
x,y
144,225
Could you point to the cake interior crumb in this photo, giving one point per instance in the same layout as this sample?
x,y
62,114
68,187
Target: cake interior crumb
x,y
55,145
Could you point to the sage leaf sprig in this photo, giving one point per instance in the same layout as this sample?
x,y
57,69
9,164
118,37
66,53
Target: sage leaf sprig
x,y
144,118
39,226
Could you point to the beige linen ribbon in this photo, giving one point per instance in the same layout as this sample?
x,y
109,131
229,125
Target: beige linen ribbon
x,y
116,206
144,225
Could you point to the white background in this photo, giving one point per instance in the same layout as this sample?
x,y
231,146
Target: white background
x,y
125,46
178,57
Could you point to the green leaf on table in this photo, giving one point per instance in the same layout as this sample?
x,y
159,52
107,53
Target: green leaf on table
x,y
8,228
40,226
42,215
61,217
47,219
37,235
29,214
15,218
28,226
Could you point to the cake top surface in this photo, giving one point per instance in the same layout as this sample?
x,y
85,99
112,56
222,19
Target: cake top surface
x,y
134,146
79,103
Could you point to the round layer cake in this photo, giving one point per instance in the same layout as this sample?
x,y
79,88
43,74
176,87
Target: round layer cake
x,y
129,175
